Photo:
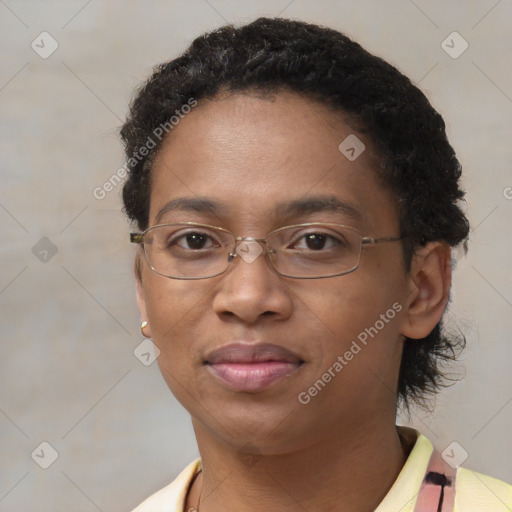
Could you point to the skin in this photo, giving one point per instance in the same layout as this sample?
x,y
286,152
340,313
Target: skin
x,y
340,451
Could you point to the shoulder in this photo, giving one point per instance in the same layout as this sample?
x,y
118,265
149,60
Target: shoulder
x,y
171,497
476,492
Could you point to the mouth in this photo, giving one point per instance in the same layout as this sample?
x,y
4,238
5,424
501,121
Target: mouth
x,y
252,368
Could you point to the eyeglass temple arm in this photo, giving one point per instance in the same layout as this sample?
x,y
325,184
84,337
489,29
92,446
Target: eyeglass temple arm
x,y
136,238
370,240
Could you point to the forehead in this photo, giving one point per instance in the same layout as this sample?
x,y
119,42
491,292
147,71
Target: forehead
x,y
254,156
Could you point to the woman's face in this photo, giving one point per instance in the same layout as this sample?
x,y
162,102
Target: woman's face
x,y
249,156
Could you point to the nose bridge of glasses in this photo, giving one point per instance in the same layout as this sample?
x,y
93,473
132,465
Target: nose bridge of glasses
x,y
249,248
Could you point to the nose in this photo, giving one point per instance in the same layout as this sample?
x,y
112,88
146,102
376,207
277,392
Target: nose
x,y
251,288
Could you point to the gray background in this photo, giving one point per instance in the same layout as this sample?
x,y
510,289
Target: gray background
x,y
69,323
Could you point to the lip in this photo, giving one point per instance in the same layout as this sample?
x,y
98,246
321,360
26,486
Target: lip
x,y
252,367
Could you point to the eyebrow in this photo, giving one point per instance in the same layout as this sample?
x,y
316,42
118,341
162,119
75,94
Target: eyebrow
x,y
314,204
311,204
197,204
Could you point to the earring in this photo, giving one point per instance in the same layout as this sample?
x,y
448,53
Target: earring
x,y
143,325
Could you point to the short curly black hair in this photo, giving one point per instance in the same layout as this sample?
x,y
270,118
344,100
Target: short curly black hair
x,y
417,162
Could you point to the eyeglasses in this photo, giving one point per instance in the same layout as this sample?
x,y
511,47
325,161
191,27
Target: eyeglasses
x,y
189,250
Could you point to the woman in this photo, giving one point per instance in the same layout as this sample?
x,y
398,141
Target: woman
x,y
297,201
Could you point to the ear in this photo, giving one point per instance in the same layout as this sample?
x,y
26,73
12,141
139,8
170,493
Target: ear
x,y
429,281
141,301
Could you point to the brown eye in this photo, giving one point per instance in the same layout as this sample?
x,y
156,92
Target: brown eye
x,y
318,242
194,240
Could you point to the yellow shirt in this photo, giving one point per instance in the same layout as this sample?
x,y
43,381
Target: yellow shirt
x,y
475,492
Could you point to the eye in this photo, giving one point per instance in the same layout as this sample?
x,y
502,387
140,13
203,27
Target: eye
x,y
192,240
317,241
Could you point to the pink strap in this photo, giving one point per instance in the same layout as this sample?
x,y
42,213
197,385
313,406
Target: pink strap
x,y
437,492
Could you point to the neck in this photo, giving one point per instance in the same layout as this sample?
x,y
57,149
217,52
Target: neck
x,y
330,475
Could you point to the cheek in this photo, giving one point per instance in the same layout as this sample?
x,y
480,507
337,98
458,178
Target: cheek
x,y
346,304
360,308
174,316
170,307
363,332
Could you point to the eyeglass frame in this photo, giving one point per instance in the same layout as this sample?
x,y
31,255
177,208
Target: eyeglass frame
x,y
138,238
